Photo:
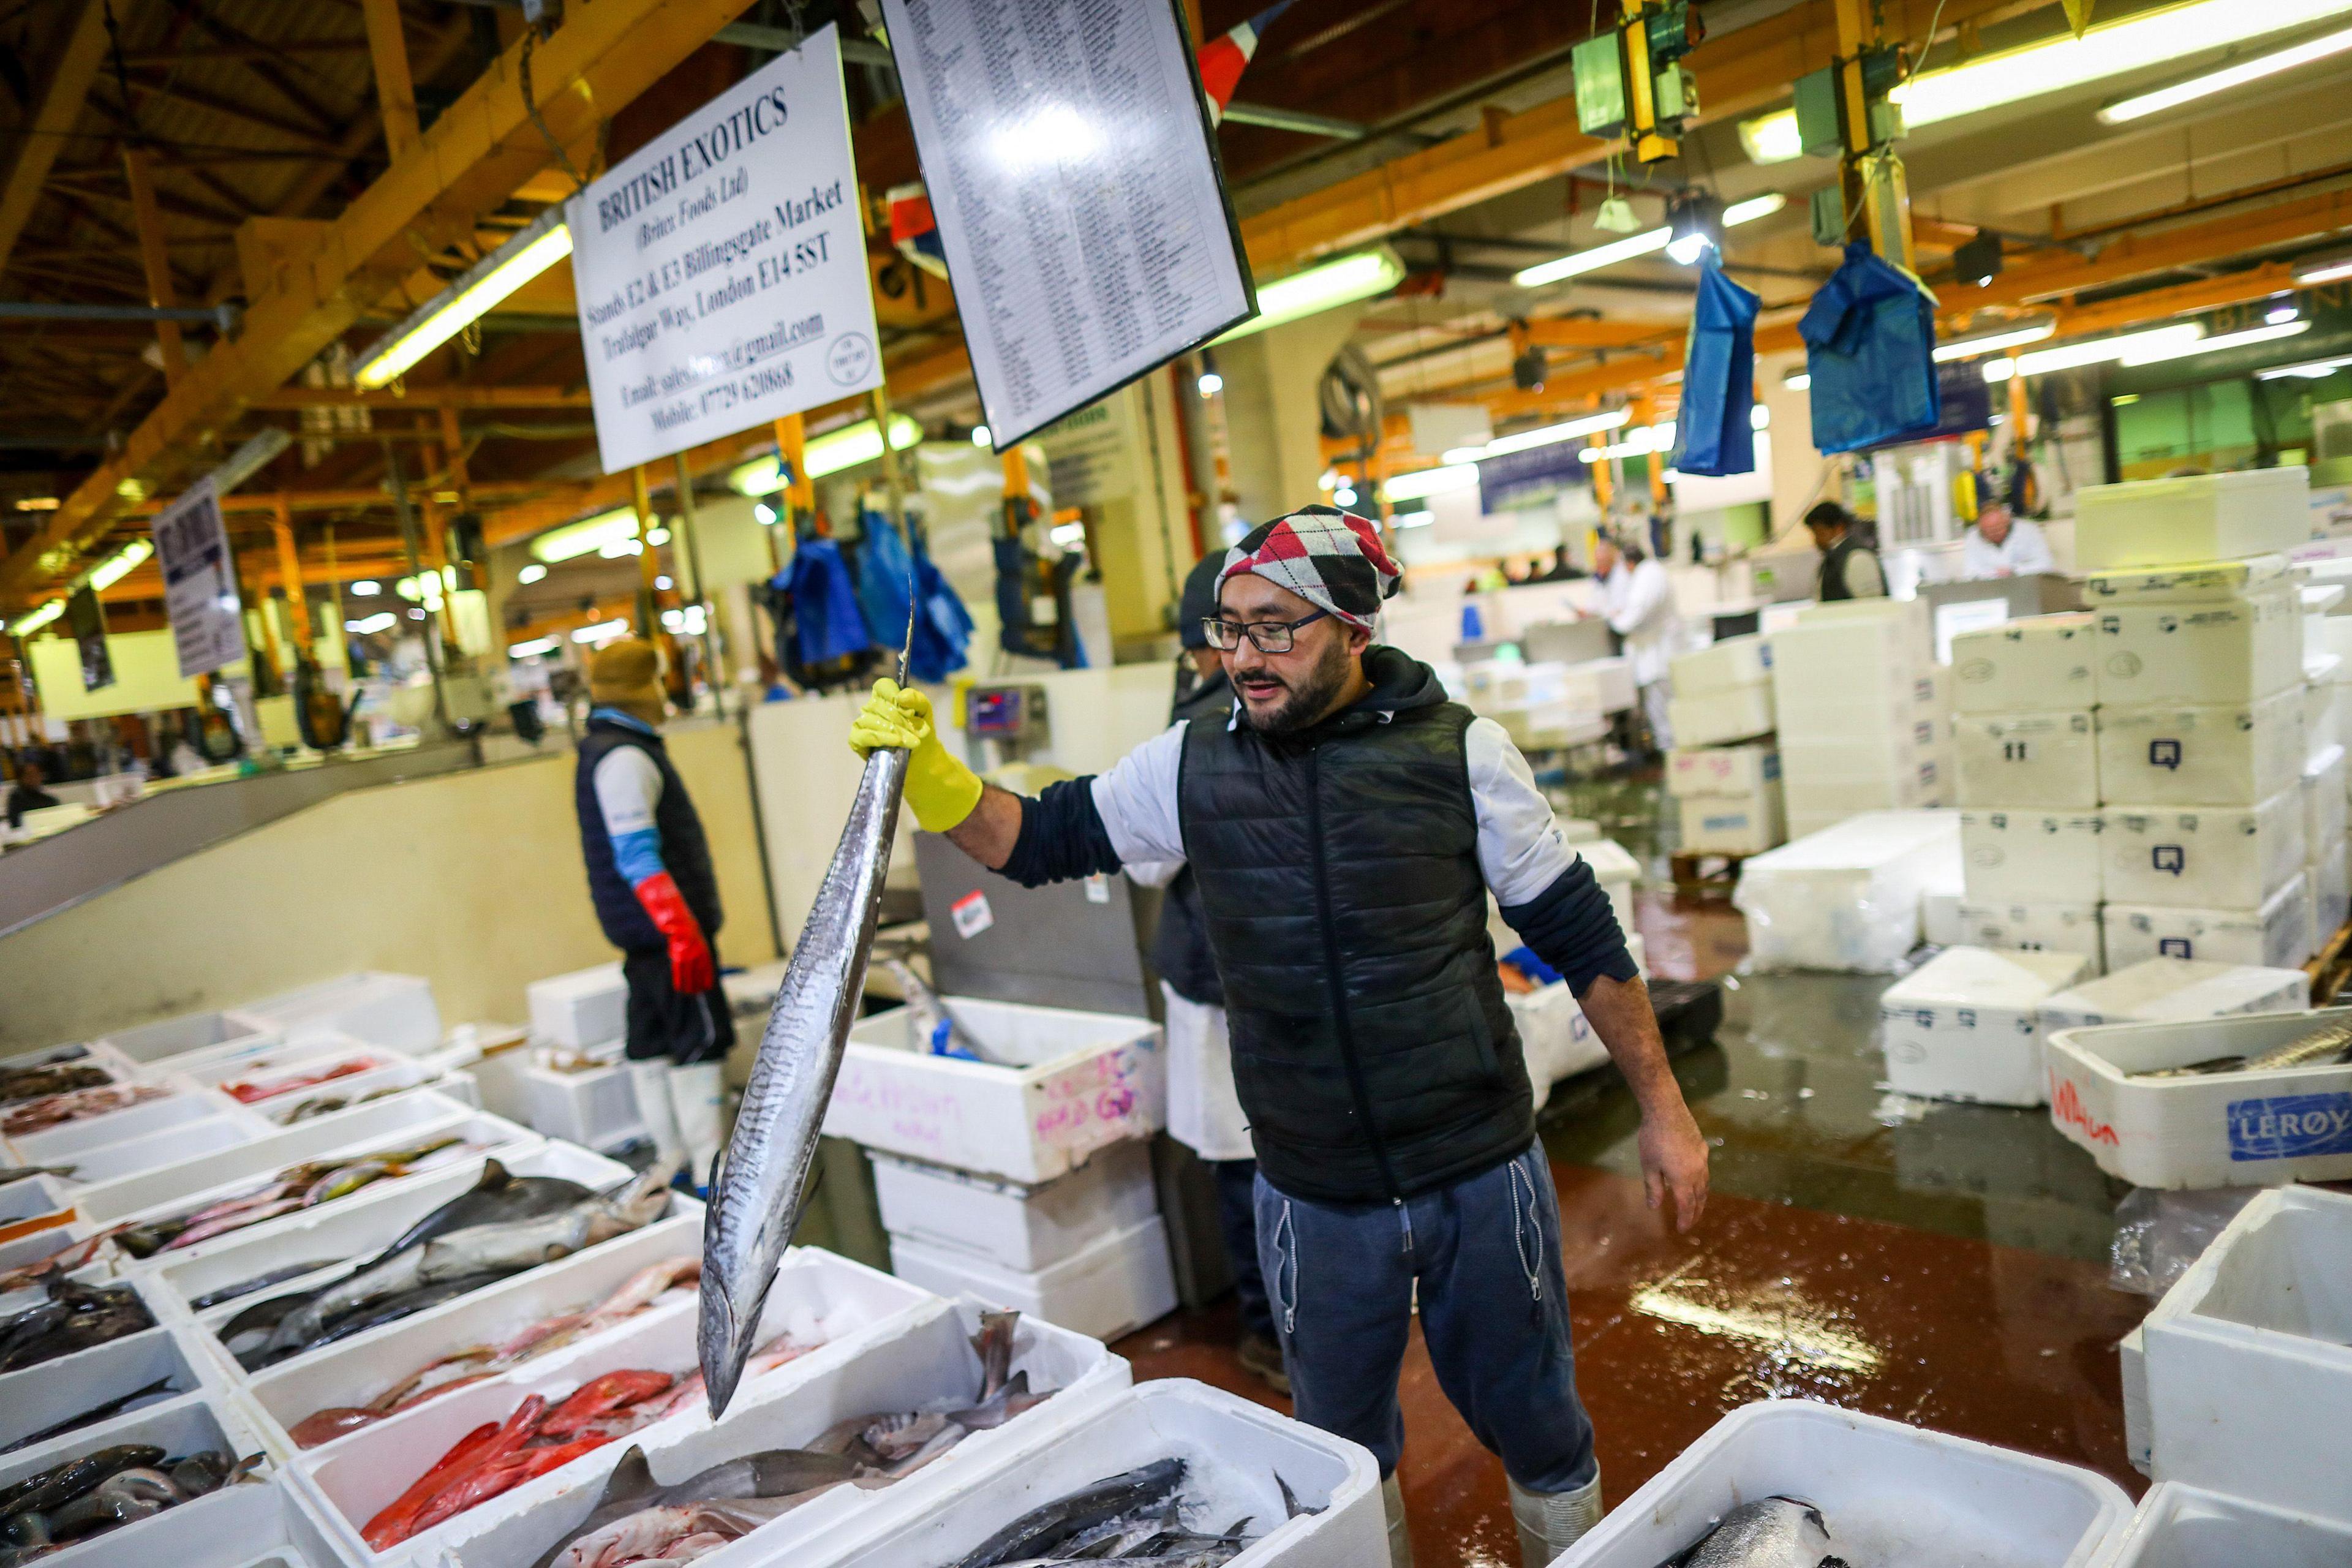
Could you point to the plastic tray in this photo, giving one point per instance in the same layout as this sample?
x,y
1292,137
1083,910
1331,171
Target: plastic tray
x,y
2182,1527
41,1396
1892,1494
395,1011
170,1037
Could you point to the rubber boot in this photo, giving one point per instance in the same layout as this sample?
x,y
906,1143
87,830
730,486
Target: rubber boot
x,y
1400,1538
1552,1522
699,1095
651,1080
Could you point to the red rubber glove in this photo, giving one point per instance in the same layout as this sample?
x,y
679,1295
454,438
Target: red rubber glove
x,y
691,971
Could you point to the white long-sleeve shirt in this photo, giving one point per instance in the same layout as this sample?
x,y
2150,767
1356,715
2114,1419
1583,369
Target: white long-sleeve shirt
x,y
1639,603
2022,550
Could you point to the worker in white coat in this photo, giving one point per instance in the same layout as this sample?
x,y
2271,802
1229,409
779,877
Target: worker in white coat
x,y
1637,598
2000,545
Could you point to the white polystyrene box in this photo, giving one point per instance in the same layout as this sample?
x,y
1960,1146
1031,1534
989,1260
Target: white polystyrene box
x,y
1939,918
1722,770
1018,1227
1963,1025
2331,891
1110,1288
167,1038
2049,760
2322,726
1233,1449
2227,754
2030,857
2230,650
1732,661
2040,664
2034,928
2195,583
1598,686
1080,1080
1728,713
1826,800
2197,518
1893,751
586,1007
1847,898
1891,1494
1839,641
1554,1037
1734,823
2278,935
2324,799
2180,1526
2213,857
1819,706
394,1011
2249,1360
2212,1130
2165,990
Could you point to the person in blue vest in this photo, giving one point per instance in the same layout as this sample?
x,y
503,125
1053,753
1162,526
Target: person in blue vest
x,y
650,876
1345,824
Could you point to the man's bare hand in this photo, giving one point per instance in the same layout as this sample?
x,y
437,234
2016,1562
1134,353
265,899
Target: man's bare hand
x,y
1673,1159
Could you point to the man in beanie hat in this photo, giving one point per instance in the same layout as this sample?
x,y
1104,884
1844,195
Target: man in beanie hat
x,y
657,899
1346,824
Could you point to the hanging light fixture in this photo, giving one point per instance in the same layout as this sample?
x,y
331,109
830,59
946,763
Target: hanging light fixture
x,y
1694,227
475,292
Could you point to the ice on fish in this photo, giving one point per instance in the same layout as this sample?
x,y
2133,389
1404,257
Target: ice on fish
x,y
1771,1533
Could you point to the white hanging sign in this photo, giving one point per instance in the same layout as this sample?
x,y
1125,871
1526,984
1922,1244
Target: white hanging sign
x,y
199,582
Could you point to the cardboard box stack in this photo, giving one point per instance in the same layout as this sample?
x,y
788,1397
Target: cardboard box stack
x,y
1861,705
1724,772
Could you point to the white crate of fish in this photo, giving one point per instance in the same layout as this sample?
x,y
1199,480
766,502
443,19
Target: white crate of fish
x,y
89,1388
159,1126
878,1411
286,1193
117,1492
62,1321
1790,1481
1053,1086
2249,1359
632,1379
1170,1456
595,1106
2243,1101
293,1068
27,1192
55,1127
58,1241
169,1038
497,1222
263,1523
360,1127
2185,1526
395,1011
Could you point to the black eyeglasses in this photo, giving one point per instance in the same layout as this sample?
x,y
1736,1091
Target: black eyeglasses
x,y
1267,636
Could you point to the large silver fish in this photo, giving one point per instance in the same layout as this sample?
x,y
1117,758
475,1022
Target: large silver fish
x,y
762,1178
1770,1532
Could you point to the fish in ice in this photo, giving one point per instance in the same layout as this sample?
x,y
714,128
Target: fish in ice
x,y
1770,1532
2330,1045
762,1179
159,1388
36,1083
73,1317
1039,1534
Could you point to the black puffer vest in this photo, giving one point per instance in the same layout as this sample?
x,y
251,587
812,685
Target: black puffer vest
x,y
1180,948
1832,582
1339,869
686,853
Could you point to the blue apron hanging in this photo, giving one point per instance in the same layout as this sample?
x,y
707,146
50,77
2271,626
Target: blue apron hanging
x,y
943,627
1712,432
828,620
1870,345
882,577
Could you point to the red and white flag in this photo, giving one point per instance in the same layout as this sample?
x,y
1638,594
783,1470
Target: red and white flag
x,y
1223,59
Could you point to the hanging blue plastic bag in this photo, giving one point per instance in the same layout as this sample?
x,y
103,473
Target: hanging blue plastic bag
x,y
1870,345
884,577
1713,433
943,627
827,618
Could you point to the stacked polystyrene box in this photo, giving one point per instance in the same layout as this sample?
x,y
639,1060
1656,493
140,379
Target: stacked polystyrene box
x,y
1724,772
2025,735
1861,707
2212,845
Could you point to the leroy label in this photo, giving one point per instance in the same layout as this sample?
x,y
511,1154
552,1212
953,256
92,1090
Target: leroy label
x,y
2291,1126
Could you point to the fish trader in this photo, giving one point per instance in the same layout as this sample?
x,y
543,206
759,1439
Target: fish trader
x,y
649,874
1345,825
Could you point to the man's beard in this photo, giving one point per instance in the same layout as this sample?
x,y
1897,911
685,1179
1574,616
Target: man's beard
x,y
1307,702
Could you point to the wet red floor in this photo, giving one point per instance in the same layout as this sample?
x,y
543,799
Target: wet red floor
x,y
2002,1343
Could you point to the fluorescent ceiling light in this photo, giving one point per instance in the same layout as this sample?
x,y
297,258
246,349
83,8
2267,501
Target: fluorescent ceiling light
x,y
1210,383
2310,370
979,436
586,537
1646,243
1543,435
1772,138
534,572
765,513
37,503
1319,289
2098,351
475,291
1640,443
1993,342
1798,381
532,648
366,588
368,626
657,536
613,549
121,566
1431,481
37,619
2328,269
2227,78
600,631
2156,353
1412,520
827,453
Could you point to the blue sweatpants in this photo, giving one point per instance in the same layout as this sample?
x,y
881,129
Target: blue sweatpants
x,y
1494,1312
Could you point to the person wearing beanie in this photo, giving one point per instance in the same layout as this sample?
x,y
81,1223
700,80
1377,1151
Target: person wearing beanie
x,y
1204,1113
649,874
1345,825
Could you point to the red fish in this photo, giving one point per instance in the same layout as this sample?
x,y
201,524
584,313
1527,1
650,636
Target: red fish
x,y
479,1486
398,1522
599,1396
325,1426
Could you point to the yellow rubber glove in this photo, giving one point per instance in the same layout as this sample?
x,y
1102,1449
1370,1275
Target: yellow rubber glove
x,y
942,790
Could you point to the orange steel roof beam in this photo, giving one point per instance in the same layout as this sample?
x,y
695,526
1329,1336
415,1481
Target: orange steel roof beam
x,y
471,159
